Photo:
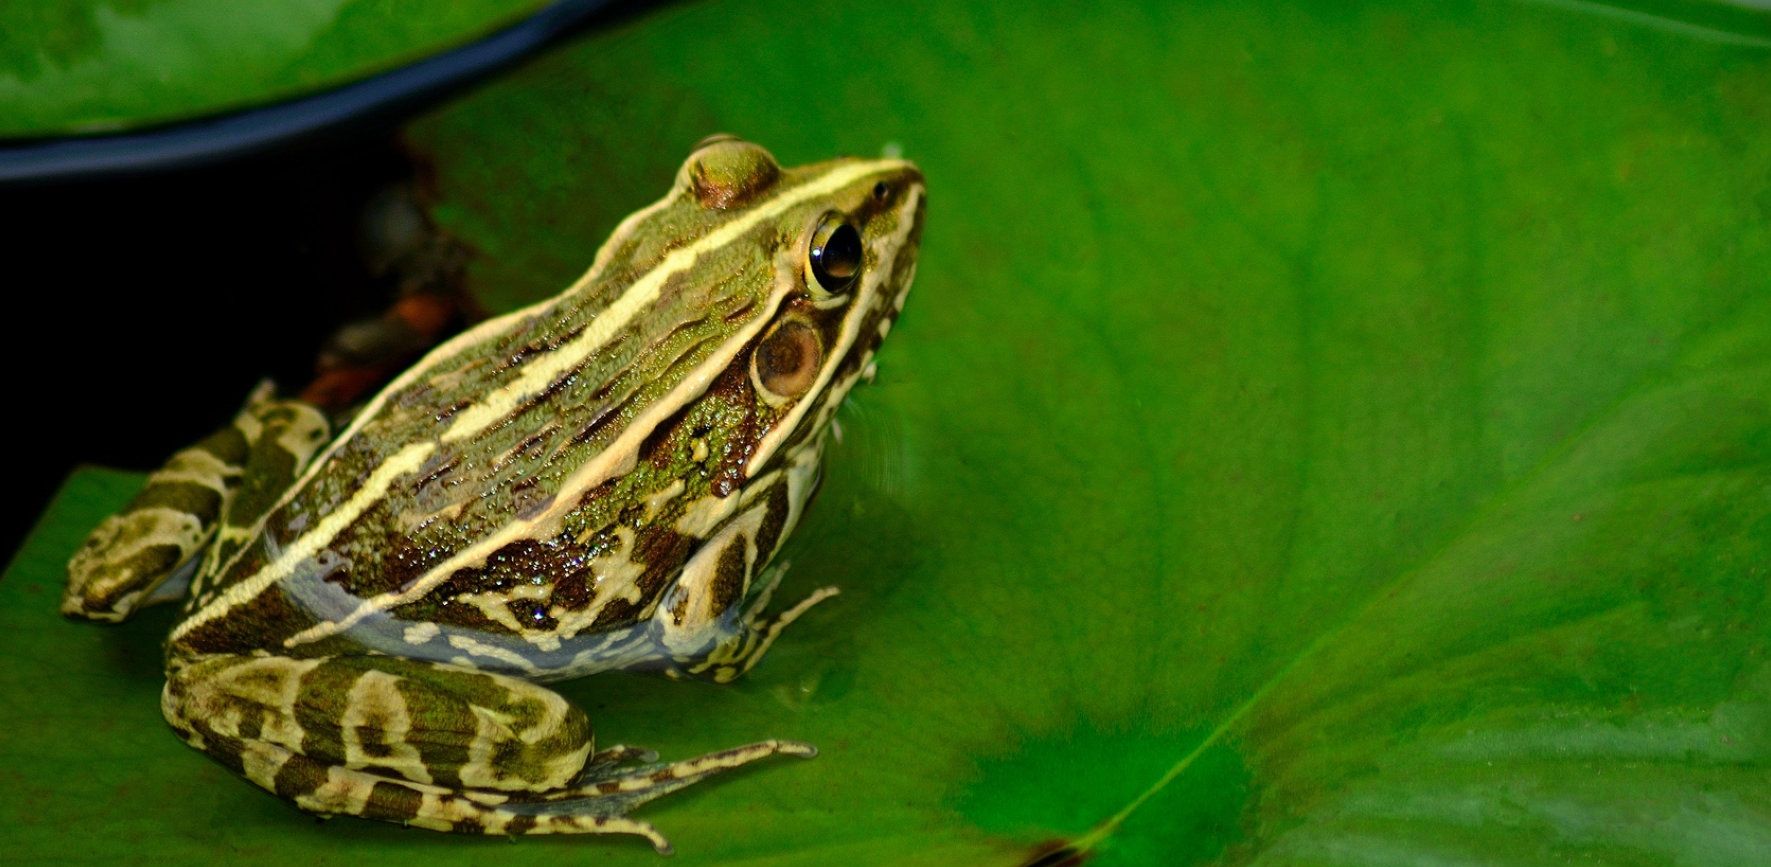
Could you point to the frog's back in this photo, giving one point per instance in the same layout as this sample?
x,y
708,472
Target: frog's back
x,y
522,493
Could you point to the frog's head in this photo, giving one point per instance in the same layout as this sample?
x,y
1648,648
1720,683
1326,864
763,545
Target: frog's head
x,y
831,255
845,259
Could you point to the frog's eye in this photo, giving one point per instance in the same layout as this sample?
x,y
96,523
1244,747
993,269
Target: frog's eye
x,y
786,362
835,256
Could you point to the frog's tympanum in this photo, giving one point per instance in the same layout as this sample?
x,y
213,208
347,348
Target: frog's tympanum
x,y
595,482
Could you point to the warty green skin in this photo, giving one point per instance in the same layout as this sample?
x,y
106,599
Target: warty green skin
x,y
594,482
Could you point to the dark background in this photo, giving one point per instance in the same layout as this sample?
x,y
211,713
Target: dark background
x,y
143,309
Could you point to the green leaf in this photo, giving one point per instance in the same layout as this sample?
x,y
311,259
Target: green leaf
x,y
1336,435
72,66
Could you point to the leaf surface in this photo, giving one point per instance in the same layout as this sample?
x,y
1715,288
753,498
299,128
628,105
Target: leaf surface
x,y
1335,435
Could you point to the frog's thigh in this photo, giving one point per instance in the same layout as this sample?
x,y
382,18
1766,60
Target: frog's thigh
x,y
427,744
423,722
698,627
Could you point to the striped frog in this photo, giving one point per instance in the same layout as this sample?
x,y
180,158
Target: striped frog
x,y
595,482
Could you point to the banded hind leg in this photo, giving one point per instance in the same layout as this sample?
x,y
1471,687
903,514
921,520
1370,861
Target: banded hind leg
x,y
200,501
425,744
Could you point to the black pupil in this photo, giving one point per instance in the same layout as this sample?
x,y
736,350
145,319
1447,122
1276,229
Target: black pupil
x,y
836,261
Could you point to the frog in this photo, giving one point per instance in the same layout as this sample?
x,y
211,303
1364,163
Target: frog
x,y
375,605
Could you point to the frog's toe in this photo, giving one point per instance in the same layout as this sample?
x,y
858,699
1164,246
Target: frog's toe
x,y
618,755
607,792
658,779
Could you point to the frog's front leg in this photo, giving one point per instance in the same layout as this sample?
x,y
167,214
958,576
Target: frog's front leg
x,y
712,625
428,744
735,648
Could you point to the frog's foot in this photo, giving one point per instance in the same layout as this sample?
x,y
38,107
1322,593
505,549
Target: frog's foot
x,y
426,744
740,651
627,788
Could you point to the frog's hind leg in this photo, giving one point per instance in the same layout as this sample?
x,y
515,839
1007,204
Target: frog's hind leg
x,y
137,556
426,744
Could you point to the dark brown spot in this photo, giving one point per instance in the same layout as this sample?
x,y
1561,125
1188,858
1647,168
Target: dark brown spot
x,y
664,552
332,567
661,446
606,489
520,824
532,614
572,592
389,800
223,750
617,611
200,500
729,575
403,562
561,561
768,536
437,468
298,776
